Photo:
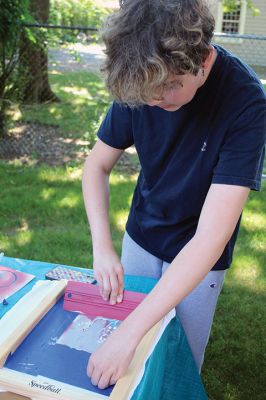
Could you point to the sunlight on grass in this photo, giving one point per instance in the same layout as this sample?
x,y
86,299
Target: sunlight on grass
x,y
52,109
55,72
74,173
77,91
15,113
258,244
117,178
23,238
71,201
84,101
121,219
246,273
253,221
122,187
47,193
121,190
24,226
59,174
46,174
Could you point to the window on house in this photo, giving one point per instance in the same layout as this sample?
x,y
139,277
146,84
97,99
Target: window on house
x,y
231,20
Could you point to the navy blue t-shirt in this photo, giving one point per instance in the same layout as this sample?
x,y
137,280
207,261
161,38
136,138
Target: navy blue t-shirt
x,y
218,137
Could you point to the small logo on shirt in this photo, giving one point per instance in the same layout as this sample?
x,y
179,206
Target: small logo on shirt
x,y
204,147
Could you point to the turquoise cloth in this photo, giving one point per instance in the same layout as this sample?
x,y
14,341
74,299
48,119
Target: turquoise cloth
x,y
170,372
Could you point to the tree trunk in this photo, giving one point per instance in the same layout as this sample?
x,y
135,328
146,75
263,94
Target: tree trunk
x,y
3,130
34,60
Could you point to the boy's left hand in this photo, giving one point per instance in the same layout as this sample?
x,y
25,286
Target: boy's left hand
x,y
108,363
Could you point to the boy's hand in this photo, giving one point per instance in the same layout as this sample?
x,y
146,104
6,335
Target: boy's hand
x,y
108,363
109,273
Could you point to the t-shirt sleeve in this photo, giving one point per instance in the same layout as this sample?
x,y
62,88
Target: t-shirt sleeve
x,y
116,128
242,154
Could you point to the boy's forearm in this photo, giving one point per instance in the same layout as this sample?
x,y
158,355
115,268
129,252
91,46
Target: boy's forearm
x,y
95,186
185,273
218,219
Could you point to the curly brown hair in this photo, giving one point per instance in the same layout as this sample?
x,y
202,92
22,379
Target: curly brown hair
x,y
146,40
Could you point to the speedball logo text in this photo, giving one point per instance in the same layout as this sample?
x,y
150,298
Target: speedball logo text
x,y
45,386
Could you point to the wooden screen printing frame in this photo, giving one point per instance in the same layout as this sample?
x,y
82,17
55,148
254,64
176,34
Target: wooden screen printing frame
x,y
19,322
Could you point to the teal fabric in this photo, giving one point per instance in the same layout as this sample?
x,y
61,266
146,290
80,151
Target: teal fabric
x,y
170,372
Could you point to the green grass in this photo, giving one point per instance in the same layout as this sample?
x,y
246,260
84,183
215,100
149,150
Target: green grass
x,y
235,359
84,101
42,218
42,215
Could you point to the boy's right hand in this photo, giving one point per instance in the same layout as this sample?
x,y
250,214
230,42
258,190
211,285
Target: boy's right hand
x,y
109,274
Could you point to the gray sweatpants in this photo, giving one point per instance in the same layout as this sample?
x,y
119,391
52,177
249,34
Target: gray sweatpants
x,y
196,310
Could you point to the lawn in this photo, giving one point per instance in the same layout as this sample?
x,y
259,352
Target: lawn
x,y
42,214
43,218
83,104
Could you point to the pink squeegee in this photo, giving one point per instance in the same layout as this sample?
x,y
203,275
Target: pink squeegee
x,y
86,298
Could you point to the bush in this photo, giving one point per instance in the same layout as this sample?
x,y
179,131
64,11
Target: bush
x,y
76,12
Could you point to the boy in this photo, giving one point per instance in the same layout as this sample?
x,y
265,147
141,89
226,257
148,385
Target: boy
x,y
196,115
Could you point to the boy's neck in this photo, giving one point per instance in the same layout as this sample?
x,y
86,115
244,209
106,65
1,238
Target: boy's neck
x,y
209,62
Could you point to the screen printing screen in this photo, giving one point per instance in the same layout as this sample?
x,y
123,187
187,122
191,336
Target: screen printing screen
x,y
59,347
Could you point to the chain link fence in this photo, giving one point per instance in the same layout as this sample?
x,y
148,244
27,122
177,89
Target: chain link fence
x,y
57,86
249,48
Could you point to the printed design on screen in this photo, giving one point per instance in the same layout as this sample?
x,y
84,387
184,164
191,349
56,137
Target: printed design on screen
x,y
87,334
11,281
7,278
47,349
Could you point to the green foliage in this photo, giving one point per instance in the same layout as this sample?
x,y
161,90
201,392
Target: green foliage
x,y
231,6
251,6
76,12
12,16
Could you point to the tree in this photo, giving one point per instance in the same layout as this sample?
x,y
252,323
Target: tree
x,y
12,16
34,58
